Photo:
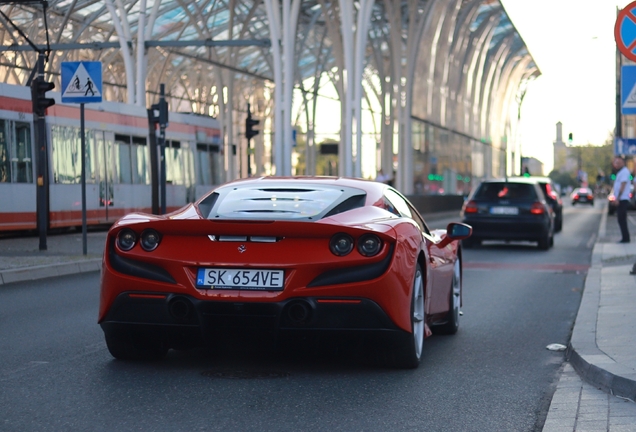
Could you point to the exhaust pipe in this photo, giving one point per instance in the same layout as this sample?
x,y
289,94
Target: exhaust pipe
x,y
180,308
299,312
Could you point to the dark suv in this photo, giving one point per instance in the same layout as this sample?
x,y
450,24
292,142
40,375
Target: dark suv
x,y
509,209
552,197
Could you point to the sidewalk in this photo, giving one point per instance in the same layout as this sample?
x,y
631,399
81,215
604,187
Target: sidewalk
x,y
602,349
21,259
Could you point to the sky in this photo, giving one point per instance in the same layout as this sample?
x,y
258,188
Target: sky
x,y
572,42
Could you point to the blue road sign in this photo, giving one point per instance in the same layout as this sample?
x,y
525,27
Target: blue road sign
x,y
628,89
625,146
81,82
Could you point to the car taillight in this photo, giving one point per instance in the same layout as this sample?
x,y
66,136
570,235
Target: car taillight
x,y
341,244
150,240
126,239
537,208
369,245
590,197
470,207
575,196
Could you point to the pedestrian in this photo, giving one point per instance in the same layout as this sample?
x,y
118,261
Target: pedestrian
x,y
381,177
621,192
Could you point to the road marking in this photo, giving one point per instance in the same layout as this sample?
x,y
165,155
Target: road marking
x,y
525,266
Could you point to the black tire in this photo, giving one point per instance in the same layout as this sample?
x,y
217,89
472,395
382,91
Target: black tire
x,y
408,352
451,325
544,243
558,225
125,349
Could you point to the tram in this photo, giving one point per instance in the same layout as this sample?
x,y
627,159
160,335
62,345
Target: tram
x,y
117,161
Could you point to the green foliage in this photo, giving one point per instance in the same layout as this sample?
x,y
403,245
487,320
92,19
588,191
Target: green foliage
x,y
564,179
594,160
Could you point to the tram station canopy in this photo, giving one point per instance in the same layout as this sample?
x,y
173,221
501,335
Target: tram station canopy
x,y
458,65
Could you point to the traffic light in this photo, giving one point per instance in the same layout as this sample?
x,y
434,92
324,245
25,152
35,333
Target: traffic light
x,y
570,137
39,87
250,132
160,113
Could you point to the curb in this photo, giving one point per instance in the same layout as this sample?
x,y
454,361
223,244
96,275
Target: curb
x,y
49,270
592,364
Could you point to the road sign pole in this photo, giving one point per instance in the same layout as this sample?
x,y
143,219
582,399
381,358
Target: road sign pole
x,y
83,143
619,118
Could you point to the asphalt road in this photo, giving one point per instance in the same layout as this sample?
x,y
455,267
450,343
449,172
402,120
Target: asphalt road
x,y
494,375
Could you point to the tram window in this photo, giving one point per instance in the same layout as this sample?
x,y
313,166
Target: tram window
x,y
122,156
66,143
139,164
174,166
138,140
208,164
16,163
21,158
5,165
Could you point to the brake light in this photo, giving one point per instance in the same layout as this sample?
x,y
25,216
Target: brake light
x,y
470,207
590,196
576,196
537,209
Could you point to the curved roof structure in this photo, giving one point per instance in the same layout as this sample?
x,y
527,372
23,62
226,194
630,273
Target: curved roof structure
x,y
462,60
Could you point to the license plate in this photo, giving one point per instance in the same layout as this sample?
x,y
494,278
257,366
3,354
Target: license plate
x,y
582,198
246,279
504,210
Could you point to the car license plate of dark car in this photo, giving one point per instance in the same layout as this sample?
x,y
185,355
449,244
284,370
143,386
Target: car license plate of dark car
x,y
246,279
504,210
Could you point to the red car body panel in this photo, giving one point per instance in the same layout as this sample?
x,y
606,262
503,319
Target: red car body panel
x,y
302,251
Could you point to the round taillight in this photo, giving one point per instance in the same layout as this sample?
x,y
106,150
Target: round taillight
x,y
369,245
126,239
341,244
150,240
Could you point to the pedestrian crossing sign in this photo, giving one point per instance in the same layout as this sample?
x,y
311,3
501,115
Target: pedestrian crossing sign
x,y
81,82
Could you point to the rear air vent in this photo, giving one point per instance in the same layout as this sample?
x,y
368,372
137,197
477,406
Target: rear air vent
x,y
286,190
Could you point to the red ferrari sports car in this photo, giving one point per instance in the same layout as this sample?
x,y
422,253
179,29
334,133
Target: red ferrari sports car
x,y
311,254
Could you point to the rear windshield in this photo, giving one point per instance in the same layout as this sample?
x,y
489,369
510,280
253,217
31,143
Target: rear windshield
x,y
280,201
505,191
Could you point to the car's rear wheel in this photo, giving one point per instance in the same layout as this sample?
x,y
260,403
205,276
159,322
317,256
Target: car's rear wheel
x,y
408,353
544,242
452,319
123,348
558,225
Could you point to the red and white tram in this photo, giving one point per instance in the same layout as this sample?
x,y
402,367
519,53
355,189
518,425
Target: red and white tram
x,y
117,161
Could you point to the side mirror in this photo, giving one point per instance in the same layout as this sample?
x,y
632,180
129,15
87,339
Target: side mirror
x,y
459,231
456,231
